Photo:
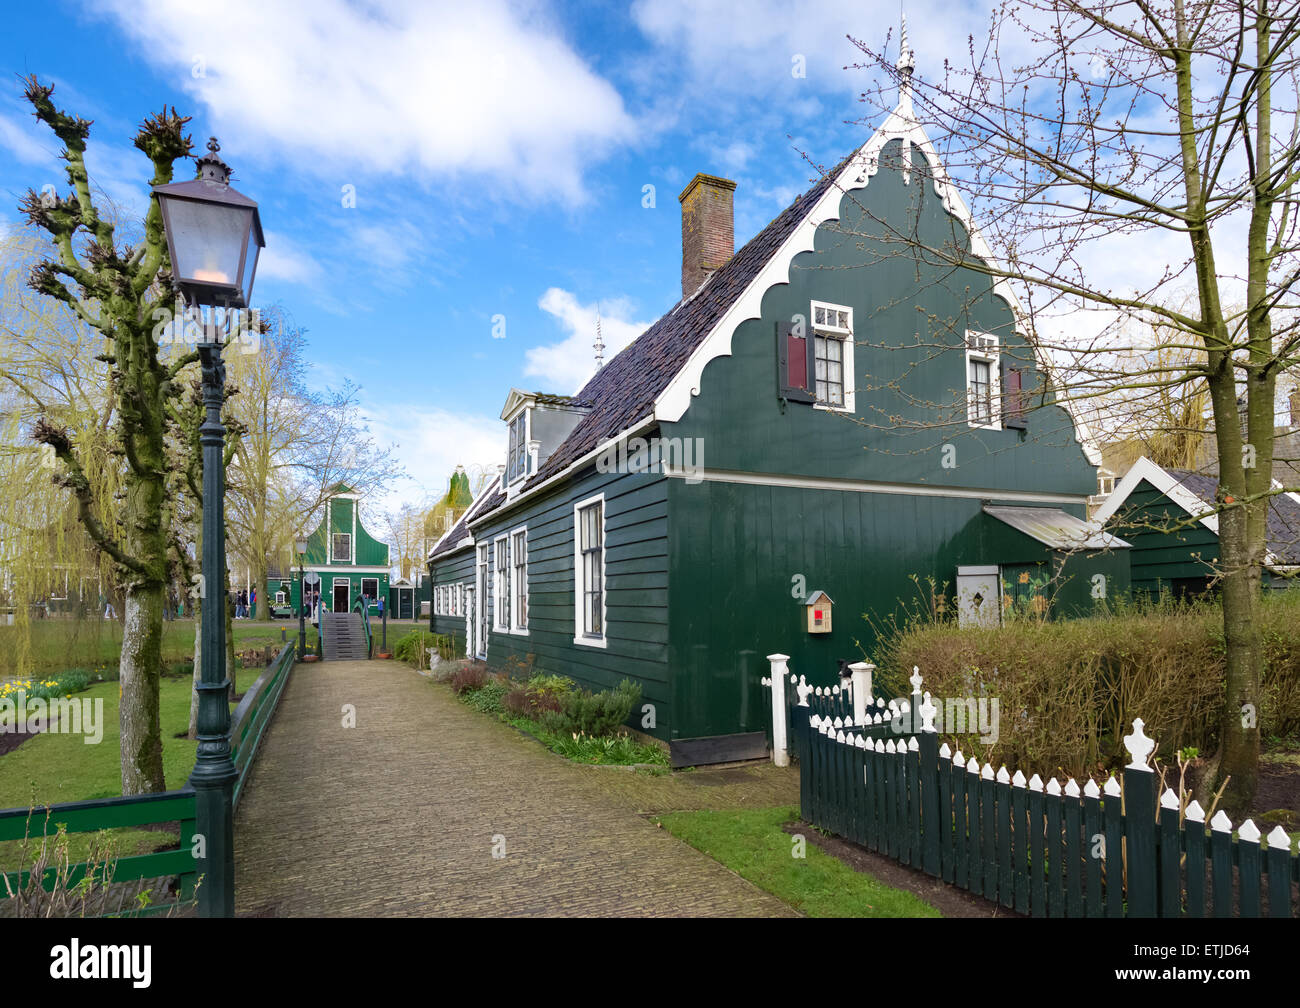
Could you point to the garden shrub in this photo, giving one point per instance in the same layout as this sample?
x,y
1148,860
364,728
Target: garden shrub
x,y
597,714
487,698
1068,691
469,678
412,647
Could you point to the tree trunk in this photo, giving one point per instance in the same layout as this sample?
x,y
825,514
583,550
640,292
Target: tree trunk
x,y
141,664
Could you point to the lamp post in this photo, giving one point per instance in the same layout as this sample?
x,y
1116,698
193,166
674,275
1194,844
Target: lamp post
x,y
214,236
301,545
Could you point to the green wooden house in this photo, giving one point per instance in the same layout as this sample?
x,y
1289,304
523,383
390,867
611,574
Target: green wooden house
x,y
1171,518
343,561
822,411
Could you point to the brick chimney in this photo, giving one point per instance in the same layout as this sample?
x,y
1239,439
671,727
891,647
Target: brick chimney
x,y
708,229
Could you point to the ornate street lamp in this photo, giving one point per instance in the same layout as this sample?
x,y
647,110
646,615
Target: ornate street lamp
x,y
214,235
300,544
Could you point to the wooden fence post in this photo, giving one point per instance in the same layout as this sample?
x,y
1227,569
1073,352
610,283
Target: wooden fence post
x,y
861,680
1140,826
933,823
780,744
1279,873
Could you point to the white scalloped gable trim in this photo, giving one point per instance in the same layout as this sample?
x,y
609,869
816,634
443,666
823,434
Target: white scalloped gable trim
x,y
901,124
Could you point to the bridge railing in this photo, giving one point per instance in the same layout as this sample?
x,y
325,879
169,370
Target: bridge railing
x,y
254,713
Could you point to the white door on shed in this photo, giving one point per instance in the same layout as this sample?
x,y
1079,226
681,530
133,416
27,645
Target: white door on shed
x,y
979,596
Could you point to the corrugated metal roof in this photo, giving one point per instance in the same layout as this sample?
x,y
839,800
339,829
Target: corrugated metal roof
x,y
1055,528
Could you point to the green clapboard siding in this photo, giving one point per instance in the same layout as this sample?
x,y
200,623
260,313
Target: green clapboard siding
x,y
1167,546
636,587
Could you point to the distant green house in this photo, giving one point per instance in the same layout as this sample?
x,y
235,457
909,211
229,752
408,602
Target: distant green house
x,y
1171,519
343,561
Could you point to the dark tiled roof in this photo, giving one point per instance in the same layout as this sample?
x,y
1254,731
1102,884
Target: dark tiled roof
x,y
623,392
1282,536
547,399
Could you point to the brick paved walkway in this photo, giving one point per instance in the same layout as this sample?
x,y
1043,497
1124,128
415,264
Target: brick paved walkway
x,y
397,816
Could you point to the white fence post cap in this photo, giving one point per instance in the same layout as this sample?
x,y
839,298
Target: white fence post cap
x,y
1221,823
1053,787
1072,788
1139,747
1248,831
1279,839
1091,790
1112,787
1195,813
778,657
1019,779
1169,800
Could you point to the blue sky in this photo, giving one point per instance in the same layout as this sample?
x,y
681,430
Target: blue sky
x,y
498,154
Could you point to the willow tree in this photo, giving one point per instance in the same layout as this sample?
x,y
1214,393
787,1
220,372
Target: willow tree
x,y
113,289
1114,152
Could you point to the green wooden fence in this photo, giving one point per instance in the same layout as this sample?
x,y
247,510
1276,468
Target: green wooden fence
x,y
248,725
1039,849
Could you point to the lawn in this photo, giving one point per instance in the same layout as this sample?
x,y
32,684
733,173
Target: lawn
x,y
52,768
752,843
59,644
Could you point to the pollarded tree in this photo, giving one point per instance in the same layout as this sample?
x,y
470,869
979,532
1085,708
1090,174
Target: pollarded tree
x,y
113,290
1161,135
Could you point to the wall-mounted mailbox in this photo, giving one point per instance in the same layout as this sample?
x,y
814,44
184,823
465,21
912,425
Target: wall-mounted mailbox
x,y
818,606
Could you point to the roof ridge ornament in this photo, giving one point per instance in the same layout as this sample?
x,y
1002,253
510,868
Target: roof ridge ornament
x,y
906,65
599,345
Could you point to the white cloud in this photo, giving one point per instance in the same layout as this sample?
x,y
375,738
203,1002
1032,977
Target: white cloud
x,y
430,443
19,142
389,87
283,259
564,367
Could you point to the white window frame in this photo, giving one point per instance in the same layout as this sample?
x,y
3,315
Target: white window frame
x,y
279,598
828,330
579,587
375,597
334,556
983,347
519,578
500,584
522,456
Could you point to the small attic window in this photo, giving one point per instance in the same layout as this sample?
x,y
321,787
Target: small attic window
x,y
517,455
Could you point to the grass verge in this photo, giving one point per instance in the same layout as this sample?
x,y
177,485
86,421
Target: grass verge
x,y
752,844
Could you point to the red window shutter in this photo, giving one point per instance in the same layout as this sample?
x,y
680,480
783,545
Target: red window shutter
x,y
796,362
1013,404
793,361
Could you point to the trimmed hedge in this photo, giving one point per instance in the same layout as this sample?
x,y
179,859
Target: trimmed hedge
x,y
1068,691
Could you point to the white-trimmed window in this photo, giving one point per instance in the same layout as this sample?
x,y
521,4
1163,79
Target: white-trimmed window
x,y
832,352
437,600
517,450
519,558
342,547
370,589
589,571
983,381
501,583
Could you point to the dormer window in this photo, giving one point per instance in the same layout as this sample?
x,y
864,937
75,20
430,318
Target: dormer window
x,y
517,455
